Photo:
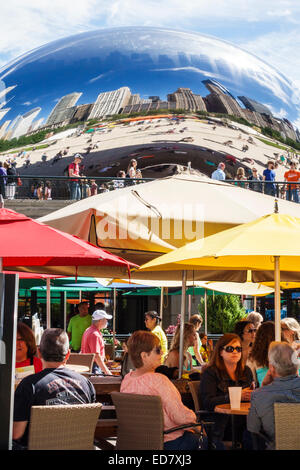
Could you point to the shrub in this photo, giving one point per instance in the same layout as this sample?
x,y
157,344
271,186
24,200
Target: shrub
x,y
223,311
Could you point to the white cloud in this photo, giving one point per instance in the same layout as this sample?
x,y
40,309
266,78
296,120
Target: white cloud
x,y
279,49
29,24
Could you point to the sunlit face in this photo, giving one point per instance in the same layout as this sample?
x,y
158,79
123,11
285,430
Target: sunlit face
x,y
150,322
231,357
288,334
204,340
249,333
83,309
21,349
152,360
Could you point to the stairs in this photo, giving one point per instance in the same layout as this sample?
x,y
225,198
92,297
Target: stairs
x,y
34,208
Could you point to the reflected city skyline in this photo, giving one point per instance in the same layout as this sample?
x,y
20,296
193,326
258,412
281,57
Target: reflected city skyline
x,y
137,69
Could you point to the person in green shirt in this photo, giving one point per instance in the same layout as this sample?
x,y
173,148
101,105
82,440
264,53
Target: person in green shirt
x,y
77,326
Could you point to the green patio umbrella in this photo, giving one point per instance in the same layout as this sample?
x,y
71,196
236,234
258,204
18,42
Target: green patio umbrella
x,y
144,292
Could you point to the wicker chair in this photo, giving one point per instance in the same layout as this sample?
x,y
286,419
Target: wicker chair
x,y
63,427
141,422
82,360
287,426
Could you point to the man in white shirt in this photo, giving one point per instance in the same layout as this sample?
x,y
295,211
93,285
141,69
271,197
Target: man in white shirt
x,y
219,174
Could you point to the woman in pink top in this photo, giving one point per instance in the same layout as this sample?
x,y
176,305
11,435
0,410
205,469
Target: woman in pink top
x,y
145,352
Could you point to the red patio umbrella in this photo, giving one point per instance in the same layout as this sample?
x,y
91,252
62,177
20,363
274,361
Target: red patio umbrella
x,y
26,244
29,245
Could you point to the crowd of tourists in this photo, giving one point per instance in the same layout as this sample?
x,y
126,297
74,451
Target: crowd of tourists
x,y
82,187
248,357
265,182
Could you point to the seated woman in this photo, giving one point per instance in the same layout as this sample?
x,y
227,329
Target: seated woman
x,y
255,318
290,329
195,351
258,358
246,331
206,347
226,369
26,349
189,339
145,352
126,362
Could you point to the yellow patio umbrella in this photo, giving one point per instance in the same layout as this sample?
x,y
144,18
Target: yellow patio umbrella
x,y
267,246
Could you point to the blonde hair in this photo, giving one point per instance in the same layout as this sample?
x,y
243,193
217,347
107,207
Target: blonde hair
x,y
189,329
240,173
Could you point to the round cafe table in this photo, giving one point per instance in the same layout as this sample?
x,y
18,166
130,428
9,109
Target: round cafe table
x,y
225,409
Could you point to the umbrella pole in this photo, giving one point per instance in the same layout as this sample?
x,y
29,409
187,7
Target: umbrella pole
x,y
161,310
182,317
190,305
48,304
254,307
277,299
114,322
205,311
65,311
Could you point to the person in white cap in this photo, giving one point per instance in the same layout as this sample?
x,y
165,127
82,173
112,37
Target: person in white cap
x,y
92,341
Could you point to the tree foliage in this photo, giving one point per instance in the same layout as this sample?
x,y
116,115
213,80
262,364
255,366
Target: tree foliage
x,y
223,311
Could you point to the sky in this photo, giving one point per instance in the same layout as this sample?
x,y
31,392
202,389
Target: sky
x,y
267,28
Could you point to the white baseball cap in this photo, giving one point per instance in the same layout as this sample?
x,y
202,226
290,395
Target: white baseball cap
x,y
99,314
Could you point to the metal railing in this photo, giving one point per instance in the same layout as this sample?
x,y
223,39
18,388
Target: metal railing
x,y
288,190
33,187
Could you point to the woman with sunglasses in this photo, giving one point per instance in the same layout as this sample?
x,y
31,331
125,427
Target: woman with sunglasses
x,y
26,349
145,352
290,329
225,369
246,331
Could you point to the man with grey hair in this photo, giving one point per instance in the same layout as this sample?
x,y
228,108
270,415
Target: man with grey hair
x,y
219,174
281,384
54,385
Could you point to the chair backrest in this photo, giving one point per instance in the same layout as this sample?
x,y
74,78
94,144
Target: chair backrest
x,y
194,389
82,360
109,350
140,421
63,427
287,426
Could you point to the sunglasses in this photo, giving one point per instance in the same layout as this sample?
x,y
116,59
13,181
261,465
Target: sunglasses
x,y
230,349
251,330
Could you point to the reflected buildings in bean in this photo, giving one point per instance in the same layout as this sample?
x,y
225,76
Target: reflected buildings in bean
x,y
136,70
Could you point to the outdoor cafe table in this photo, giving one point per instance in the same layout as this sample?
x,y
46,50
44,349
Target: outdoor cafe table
x,y
80,369
104,385
225,409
